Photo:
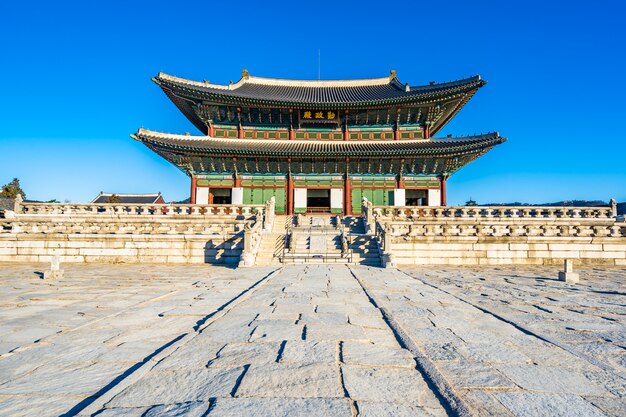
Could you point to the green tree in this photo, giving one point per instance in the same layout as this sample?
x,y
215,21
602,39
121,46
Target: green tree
x,y
114,198
12,189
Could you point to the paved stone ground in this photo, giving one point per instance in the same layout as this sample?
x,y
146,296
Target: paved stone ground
x,y
316,340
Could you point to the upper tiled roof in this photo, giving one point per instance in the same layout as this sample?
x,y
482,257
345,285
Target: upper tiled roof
x,y
304,148
331,93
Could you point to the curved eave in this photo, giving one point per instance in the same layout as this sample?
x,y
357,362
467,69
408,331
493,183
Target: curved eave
x,y
417,96
449,147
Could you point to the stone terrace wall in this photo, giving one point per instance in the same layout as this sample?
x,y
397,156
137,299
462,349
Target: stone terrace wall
x,y
500,235
126,233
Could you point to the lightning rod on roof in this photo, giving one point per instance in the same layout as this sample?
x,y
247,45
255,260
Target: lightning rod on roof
x,y
319,63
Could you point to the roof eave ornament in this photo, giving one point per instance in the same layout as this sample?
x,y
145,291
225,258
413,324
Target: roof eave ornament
x,y
245,75
392,75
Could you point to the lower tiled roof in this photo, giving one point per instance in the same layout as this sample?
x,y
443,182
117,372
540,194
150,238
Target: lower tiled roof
x,y
305,148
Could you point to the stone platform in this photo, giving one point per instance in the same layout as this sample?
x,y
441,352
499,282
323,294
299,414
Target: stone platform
x,y
316,340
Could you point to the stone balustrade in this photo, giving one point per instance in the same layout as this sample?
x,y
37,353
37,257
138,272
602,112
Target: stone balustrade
x,y
126,225
113,209
498,235
496,213
517,228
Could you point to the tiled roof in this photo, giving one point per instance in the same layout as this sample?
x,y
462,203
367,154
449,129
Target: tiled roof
x,y
6,204
272,91
129,198
305,148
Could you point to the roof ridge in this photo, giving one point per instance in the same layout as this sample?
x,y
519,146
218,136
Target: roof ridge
x,y
319,83
246,78
130,194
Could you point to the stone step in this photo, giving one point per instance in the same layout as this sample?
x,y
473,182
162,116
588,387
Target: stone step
x,y
364,249
367,254
375,261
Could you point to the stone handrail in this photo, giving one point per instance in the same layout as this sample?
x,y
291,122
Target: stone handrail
x,y
253,232
269,214
367,213
487,212
383,233
252,236
343,235
517,228
115,209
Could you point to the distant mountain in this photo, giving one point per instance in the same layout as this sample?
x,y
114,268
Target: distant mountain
x,y
621,207
572,203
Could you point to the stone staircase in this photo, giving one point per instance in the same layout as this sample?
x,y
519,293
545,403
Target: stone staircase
x,y
318,240
317,246
364,247
364,250
273,243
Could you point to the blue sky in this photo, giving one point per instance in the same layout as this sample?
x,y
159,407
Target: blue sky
x,y
77,83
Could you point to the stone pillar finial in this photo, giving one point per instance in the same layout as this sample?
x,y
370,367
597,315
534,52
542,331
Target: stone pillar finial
x,y
17,204
568,274
55,270
613,207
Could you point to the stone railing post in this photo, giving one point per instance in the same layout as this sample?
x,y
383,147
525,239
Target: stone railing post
x,y
247,237
613,207
247,255
17,204
367,212
387,238
270,212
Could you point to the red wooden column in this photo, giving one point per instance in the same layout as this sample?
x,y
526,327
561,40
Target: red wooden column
x,y
239,127
211,130
346,133
292,135
289,194
443,191
347,203
396,131
192,197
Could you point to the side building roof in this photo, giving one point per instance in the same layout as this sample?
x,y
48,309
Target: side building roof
x,y
152,198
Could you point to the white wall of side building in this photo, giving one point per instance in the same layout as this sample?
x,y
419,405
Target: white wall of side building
x,y
202,195
299,198
434,197
237,195
336,198
399,197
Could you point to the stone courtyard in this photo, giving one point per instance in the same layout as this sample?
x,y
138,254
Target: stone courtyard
x,y
311,340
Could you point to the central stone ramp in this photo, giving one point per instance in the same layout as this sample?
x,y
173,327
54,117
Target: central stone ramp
x,y
316,239
330,239
306,342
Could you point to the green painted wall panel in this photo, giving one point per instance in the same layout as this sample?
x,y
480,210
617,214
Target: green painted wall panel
x,y
378,196
261,195
247,196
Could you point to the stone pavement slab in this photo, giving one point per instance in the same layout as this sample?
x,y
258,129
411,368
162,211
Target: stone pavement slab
x,y
311,340
503,337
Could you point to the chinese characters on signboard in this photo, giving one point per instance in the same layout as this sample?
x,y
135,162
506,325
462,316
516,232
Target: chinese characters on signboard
x,y
318,115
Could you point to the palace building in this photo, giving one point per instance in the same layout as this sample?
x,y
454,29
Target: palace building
x,y
318,146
